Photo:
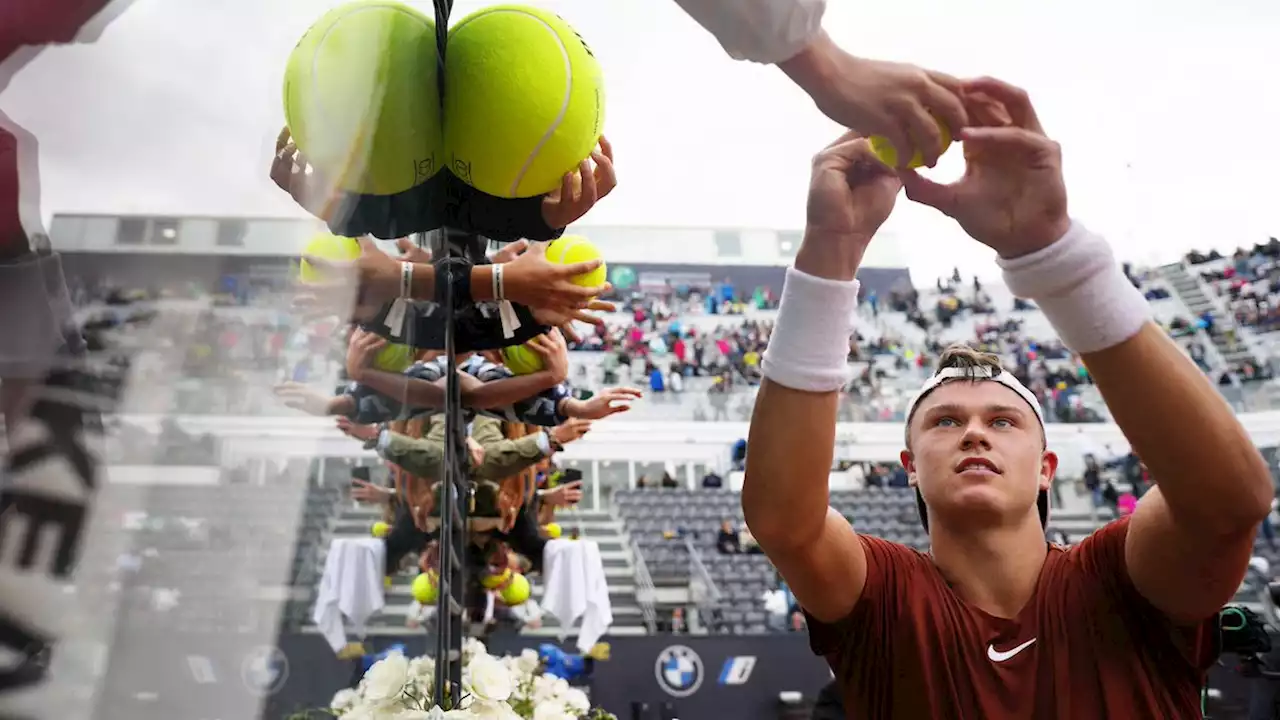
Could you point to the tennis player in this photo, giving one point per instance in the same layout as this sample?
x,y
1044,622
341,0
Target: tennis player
x,y
995,622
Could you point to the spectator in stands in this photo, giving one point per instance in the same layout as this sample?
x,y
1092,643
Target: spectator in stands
x,y
727,541
1093,479
906,632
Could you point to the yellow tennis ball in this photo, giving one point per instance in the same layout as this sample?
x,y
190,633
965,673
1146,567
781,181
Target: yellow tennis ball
x,y
492,581
525,100
572,249
521,360
516,592
327,247
553,530
395,358
361,97
424,588
380,529
888,154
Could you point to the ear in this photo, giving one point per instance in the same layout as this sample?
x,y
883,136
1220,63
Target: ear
x,y
1048,468
909,464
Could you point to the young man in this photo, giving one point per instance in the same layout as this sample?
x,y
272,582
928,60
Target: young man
x,y
994,622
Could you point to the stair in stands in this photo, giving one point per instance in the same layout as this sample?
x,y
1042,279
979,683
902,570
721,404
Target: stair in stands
x,y
1199,300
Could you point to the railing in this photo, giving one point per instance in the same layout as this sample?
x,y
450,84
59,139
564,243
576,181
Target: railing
x,y
702,587
645,590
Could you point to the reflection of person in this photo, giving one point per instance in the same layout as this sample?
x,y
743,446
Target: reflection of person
x,y
994,621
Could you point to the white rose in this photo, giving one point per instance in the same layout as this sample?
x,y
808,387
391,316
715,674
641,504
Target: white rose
x,y
344,700
528,661
489,678
576,700
549,711
490,710
473,648
387,678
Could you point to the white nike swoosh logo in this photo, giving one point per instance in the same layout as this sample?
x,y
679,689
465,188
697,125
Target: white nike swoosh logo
x,y
998,656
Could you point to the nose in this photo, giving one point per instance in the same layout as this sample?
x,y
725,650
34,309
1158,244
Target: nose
x,y
975,435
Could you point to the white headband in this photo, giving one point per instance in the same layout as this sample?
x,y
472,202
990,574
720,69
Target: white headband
x,y
981,372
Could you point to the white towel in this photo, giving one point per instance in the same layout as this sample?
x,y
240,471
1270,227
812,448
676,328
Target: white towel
x,y
577,588
351,587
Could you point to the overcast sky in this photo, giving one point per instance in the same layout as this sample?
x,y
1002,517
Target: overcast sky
x,y
1167,112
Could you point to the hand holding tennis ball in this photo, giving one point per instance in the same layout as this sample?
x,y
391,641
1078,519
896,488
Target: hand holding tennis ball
x,y
888,154
532,279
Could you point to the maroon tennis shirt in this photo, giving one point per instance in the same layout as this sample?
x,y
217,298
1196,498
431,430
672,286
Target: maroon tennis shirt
x,y
1087,646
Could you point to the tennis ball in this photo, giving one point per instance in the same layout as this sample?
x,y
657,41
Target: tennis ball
x,y
529,100
380,529
327,247
888,154
492,581
553,530
395,358
572,249
521,360
424,589
361,97
516,592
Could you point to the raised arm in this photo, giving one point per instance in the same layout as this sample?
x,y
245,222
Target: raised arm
x,y
895,100
792,439
1189,541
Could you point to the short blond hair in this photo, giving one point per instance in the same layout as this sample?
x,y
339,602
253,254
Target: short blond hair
x,y
962,357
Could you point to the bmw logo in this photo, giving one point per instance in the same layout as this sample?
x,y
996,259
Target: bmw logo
x,y
679,671
265,670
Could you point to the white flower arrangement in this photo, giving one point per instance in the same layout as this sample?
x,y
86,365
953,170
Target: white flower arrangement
x,y
508,688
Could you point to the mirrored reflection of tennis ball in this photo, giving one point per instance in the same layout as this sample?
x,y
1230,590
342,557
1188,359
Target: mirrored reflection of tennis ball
x,y
522,360
533,105
394,358
571,249
380,529
424,588
516,592
361,97
326,247
888,154
492,581
553,530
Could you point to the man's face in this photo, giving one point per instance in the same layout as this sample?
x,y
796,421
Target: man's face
x,y
976,452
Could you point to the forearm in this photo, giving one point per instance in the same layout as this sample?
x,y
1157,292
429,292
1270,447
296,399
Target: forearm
x,y
506,392
410,391
341,405
763,31
1201,457
792,434
423,286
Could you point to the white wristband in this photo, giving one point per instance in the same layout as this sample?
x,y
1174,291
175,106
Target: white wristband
x,y
1081,290
406,280
809,348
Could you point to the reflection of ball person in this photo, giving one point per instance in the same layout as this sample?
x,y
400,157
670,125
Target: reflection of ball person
x,y
994,622
877,98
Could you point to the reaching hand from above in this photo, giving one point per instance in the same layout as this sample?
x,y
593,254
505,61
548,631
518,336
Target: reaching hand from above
x,y
355,289
366,492
316,193
899,101
532,280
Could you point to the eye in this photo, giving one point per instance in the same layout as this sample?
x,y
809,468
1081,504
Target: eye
x,y
946,422
1002,423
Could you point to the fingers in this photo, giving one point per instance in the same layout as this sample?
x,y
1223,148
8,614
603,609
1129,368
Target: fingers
x,y
589,193
848,136
927,192
602,305
283,139
606,177
585,317
510,252
926,137
624,393
944,98
606,148
1014,99
1008,141
572,485
570,335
